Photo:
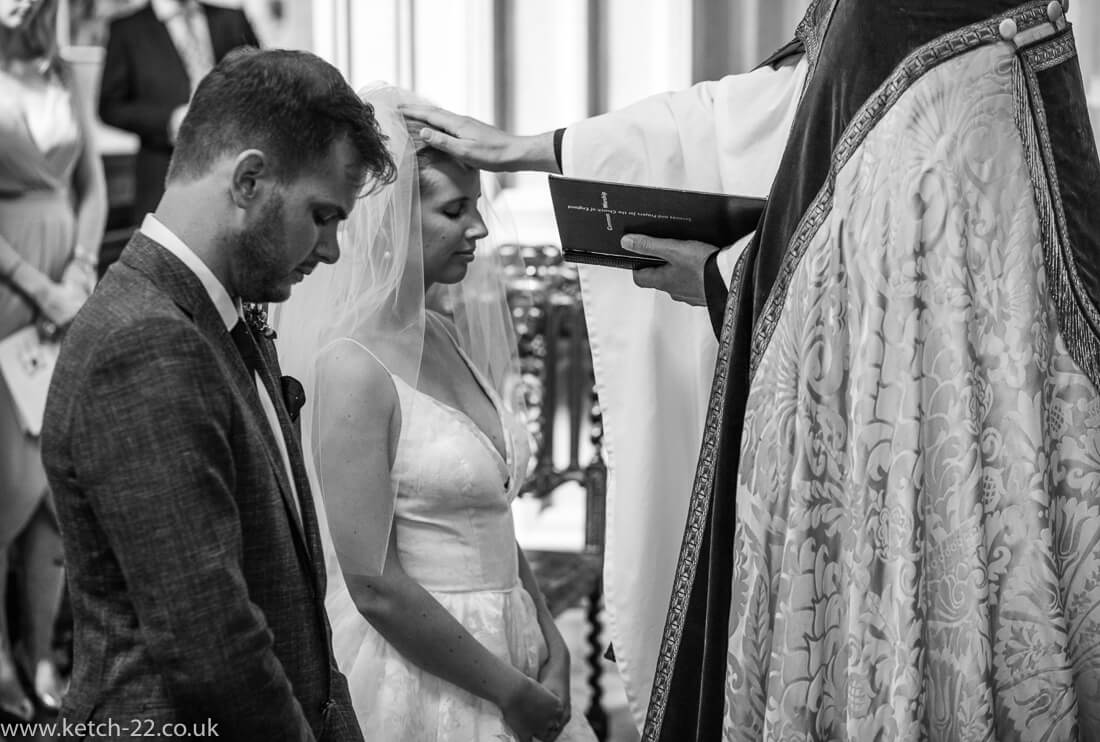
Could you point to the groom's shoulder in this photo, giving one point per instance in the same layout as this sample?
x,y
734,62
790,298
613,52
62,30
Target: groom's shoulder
x,y
116,337
128,314
126,298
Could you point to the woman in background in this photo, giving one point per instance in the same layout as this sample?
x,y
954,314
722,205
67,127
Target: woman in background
x,y
52,211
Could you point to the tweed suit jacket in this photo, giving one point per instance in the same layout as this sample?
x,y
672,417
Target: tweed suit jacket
x,y
197,589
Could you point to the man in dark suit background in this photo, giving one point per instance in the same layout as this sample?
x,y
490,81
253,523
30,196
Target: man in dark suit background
x,y
156,57
190,535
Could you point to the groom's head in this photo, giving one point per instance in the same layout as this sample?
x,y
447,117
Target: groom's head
x,y
271,156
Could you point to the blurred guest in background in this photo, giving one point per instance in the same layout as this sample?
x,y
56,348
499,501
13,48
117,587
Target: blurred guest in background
x,y
52,210
156,57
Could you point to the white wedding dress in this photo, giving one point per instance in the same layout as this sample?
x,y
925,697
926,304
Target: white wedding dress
x,y
455,537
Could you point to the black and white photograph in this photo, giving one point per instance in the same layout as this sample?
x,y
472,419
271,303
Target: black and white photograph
x,y
550,370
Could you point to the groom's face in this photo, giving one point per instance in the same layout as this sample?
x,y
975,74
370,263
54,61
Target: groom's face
x,y
294,229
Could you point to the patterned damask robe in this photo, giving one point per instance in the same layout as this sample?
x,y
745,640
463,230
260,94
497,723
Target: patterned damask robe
x,y
895,526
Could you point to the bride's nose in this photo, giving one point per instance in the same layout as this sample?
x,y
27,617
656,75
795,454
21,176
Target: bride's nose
x,y
477,228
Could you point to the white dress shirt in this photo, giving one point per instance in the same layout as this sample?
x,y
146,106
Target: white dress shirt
x,y
230,313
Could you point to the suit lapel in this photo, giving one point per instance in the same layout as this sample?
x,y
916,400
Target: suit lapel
x,y
176,280
297,461
275,396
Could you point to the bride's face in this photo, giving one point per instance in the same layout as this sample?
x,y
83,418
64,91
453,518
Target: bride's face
x,y
449,220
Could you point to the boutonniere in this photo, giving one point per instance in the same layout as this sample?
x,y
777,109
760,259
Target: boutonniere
x,y
294,396
256,317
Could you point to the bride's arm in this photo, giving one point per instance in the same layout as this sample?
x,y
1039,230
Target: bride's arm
x,y
358,440
410,619
355,424
554,673
422,630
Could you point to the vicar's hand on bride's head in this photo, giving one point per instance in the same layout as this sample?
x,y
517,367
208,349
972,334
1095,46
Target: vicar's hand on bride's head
x,y
681,275
480,144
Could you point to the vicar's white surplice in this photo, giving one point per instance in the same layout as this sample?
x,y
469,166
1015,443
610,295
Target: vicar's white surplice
x,y
654,357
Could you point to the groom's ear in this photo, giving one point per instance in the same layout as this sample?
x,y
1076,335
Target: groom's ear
x,y
252,175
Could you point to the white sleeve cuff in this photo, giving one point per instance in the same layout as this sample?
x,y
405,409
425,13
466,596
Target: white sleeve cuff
x,y
727,257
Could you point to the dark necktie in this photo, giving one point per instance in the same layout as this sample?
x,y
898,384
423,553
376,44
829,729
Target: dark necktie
x,y
290,389
246,346
250,353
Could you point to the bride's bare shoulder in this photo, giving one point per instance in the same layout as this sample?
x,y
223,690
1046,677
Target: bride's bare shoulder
x,y
357,395
352,370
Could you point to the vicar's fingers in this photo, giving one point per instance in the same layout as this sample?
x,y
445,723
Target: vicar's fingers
x,y
472,141
435,116
681,274
667,249
482,145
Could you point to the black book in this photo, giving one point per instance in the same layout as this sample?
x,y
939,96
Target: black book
x,y
593,216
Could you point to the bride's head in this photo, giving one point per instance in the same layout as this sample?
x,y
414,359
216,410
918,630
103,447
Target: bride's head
x,y
404,236
450,222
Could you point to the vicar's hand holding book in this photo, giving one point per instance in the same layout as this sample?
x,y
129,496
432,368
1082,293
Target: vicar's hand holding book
x,y
681,273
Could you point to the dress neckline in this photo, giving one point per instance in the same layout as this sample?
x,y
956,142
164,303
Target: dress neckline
x,y
32,80
505,458
467,422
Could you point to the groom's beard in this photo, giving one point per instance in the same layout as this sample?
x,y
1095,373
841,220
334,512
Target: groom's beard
x,y
262,274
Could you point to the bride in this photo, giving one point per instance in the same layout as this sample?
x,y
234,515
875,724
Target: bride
x,y
418,447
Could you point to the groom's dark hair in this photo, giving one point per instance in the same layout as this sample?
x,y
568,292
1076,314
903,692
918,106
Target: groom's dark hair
x,y
291,105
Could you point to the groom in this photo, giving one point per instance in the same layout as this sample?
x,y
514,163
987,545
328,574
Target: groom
x,y
191,540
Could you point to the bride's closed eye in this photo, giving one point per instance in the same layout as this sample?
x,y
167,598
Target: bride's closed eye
x,y
455,210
